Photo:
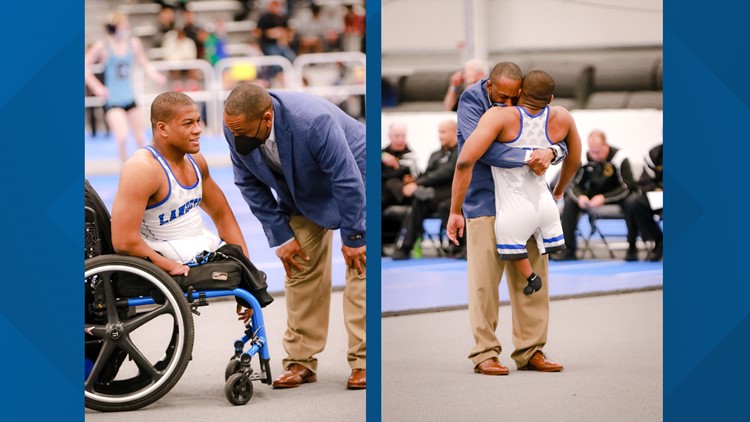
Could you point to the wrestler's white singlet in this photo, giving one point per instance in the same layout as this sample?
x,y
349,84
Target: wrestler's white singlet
x,y
174,226
523,203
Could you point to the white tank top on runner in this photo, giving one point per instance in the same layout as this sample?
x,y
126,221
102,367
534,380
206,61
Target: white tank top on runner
x,y
523,202
174,227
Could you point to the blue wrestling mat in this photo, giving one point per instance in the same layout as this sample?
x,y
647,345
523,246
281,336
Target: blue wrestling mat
x,y
436,283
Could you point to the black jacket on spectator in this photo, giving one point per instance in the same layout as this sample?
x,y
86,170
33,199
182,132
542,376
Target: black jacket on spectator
x,y
652,176
612,178
433,195
439,172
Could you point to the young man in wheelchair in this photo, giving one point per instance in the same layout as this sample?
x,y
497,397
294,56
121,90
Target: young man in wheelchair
x,y
155,211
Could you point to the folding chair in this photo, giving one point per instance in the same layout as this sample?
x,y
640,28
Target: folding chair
x,y
605,212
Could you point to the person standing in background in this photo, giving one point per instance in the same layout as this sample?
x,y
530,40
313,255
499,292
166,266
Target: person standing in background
x,y
119,52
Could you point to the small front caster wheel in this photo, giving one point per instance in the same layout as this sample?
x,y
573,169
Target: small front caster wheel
x,y
238,389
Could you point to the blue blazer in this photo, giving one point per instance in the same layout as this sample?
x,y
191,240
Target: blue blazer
x,y
322,153
480,197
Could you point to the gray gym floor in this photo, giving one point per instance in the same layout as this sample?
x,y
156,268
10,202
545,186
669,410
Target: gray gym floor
x,y
611,347
199,394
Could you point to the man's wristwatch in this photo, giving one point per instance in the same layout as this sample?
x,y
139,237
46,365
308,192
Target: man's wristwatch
x,y
554,153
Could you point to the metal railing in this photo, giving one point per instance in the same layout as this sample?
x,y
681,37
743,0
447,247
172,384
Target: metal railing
x,y
217,81
345,86
146,91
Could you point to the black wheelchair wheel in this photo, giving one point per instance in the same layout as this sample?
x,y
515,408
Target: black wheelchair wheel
x,y
238,389
233,366
134,354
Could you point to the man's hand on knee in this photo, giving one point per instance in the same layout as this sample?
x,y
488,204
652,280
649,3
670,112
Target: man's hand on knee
x,y
356,258
286,254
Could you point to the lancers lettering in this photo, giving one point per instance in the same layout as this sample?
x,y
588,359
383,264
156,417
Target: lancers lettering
x,y
179,212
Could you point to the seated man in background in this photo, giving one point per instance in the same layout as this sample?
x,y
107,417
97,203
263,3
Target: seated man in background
x,y
155,212
431,191
398,166
606,178
642,211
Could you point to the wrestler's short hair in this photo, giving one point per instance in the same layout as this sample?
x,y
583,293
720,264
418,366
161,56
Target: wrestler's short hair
x,y
165,104
538,85
247,99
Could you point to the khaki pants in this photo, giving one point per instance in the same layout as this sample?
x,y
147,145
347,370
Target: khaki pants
x,y
308,301
530,313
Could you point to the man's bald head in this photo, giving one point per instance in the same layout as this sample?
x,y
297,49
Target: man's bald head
x,y
249,100
507,70
397,135
598,146
448,133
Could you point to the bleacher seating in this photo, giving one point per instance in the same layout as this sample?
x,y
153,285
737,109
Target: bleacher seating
x,y
583,80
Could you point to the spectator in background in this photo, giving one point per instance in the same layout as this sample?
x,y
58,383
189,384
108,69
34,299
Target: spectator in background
x,y
274,32
178,47
398,166
354,30
192,30
334,18
173,4
311,31
606,178
430,191
246,8
473,71
641,210
119,51
165,22
213,40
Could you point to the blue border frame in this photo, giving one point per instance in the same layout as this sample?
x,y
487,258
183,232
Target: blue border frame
x,y
706,305
706,311
42,110
373,43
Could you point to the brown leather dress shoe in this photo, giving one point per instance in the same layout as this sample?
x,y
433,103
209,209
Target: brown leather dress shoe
x,y
539,362
357,380
491,366
294,376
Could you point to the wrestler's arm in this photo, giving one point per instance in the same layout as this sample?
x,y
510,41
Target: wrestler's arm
x,y
139,181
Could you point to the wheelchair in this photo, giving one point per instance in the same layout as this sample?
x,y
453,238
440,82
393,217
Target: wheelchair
x,y
139,330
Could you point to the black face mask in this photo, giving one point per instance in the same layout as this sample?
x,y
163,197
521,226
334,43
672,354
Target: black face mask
x,y
246,144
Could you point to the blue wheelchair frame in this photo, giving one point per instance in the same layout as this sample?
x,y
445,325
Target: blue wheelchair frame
x,y
257,340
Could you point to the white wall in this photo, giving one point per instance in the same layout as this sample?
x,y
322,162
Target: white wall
x,y
438,25
635,131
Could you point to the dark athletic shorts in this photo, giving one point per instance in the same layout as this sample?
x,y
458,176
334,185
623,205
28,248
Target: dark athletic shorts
x,y
128,107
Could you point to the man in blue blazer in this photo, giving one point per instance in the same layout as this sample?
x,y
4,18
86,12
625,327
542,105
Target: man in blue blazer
x,y
484,267
299,162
